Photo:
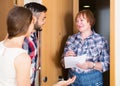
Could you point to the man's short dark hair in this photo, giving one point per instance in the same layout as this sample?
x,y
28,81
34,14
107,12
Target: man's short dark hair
x,y
35,7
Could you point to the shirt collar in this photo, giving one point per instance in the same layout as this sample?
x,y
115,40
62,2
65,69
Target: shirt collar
x,y
78,35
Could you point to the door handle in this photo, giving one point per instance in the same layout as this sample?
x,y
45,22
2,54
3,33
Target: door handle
x,y
45,79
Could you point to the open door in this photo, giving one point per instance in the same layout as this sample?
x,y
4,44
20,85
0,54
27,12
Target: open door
x,y
59,24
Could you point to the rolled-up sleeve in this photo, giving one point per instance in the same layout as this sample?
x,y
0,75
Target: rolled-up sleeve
x,y
105,57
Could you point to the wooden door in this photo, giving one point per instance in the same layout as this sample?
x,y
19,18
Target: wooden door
x,y
5,6
59,24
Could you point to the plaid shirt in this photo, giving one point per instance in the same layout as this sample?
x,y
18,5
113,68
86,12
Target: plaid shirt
x,y
95,47
30,44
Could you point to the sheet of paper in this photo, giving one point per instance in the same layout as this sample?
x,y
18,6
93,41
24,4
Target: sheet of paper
x,y
72,61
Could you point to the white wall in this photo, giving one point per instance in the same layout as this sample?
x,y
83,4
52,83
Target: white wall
x,y
27,1
117,41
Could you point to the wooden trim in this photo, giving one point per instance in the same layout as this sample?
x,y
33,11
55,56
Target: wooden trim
x,y
112,43
75,11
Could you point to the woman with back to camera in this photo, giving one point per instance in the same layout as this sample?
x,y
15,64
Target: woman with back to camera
x,y
93,46
14,61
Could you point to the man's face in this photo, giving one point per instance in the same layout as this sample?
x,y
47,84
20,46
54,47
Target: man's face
x,y
40,20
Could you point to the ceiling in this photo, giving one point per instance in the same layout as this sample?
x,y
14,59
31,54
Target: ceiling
x,y
91,3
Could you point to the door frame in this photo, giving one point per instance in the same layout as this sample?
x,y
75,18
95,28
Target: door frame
x,y
112,36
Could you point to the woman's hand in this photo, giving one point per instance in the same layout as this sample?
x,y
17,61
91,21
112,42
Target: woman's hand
x,y
65,83
85,65
70,53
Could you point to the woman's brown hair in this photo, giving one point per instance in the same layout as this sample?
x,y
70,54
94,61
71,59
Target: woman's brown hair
x,y
88,15
18,21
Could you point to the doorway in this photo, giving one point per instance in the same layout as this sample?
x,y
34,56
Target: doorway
x,y
101,11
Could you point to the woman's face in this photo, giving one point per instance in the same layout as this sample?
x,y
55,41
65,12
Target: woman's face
x,y
82,24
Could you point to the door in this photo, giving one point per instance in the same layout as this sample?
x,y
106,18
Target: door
x,y
5,6
59,24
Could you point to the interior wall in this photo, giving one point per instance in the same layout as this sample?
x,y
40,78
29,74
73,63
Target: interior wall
x,y
103,27
27,1
117,42
103,18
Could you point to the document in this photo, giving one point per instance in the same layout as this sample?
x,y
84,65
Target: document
x,y
71,61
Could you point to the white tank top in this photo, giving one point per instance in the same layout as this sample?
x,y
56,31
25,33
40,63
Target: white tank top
x,y
7,69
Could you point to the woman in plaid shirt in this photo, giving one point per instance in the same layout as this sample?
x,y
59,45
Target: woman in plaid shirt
x,y
93,45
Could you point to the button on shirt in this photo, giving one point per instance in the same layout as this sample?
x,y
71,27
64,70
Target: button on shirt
x,y
95,47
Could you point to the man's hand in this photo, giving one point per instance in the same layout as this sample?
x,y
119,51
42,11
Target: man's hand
x,y
65,83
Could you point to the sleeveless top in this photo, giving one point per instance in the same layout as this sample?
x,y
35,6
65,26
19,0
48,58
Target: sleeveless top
x,y
7,69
